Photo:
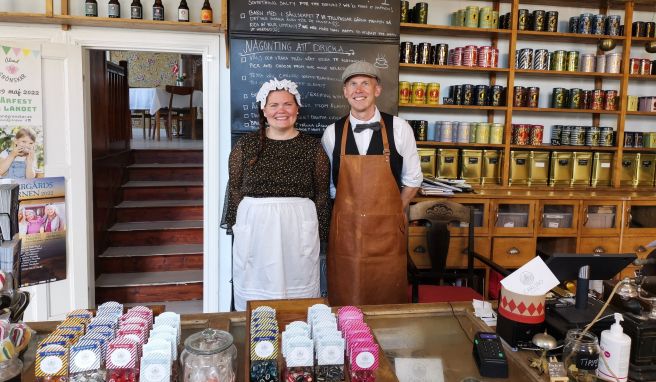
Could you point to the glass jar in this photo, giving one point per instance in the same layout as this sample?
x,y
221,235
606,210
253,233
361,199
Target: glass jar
x,y
209,355
10,370
581,355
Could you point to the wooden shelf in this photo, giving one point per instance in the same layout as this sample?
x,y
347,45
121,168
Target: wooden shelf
x,y
447,30
643,39
639,149
30,18
455,107
643,113
559,73
563,148
642,76
568,37
459,145
452,68
137,24
554,110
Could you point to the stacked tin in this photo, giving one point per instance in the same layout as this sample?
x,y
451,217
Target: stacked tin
x,y
418,14
643,29
526,96
439,54
419,93
526,134
588,23
638,139
640,66
468,132
476,95
476,17
571,61
539,20
576,98
582,136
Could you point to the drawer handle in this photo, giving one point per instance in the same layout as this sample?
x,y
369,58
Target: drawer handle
x,y
628,217
641,249
585,211
513,251
599,250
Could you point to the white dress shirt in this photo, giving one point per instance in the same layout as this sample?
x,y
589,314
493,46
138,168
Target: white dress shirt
x,y
404,140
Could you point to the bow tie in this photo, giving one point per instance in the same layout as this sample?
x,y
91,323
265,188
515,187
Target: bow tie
x,y
375,126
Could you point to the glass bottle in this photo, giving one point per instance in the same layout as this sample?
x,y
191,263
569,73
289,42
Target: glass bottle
x,y
136,10
183,11
206,12
91,8
581,355
209,354
158,10
114,9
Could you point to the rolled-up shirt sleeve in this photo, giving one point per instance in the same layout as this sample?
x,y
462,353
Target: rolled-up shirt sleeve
x,y
406,145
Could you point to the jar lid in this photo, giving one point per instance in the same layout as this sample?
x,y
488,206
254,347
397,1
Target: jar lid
x,y
209,341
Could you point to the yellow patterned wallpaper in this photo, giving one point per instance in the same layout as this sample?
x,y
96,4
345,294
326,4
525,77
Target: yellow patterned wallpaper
x,y
147,69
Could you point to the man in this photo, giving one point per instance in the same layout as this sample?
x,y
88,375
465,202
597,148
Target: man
x,y
375,175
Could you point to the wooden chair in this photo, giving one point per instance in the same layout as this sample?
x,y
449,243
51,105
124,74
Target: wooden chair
x,y
180,114
425,283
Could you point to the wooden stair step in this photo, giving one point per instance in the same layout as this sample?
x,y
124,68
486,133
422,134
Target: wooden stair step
x,y
159,171
156,233
155,258
167,156
180,307
162,190
137,210
150,286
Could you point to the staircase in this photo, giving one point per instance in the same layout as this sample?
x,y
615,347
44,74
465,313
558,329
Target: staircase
x,y
155,252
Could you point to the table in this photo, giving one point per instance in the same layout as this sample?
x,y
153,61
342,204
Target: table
x,y
151,100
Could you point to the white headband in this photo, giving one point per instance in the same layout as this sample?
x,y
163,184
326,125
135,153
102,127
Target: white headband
x,y
274,85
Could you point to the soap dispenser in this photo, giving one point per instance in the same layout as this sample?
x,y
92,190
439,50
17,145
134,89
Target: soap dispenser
x,y
615,351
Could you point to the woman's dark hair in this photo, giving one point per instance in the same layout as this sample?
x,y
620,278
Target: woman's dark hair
x,y
262,130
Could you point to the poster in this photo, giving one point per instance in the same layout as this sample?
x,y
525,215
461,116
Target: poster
x,y
42,227
21,113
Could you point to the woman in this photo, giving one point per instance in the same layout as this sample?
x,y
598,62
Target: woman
x,y
277,203
52,222
34,222
22,223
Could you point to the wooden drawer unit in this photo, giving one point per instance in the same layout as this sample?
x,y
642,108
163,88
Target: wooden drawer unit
x,y
640,218
601,218
637,245
599,245
557,217
481,218
457,257
417,248
512,252
513,217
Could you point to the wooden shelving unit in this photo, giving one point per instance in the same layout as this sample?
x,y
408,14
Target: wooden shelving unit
x,y
459,145
453,68
427,29
565,37
554,110
451,107
642,76
558,73
563,148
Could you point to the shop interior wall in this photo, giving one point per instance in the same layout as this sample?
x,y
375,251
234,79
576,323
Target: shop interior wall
x,y
76,8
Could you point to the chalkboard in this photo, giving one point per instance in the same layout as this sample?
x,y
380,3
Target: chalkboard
x,y
362,19
316,66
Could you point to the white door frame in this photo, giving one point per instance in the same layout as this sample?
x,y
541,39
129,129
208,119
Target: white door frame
x,y
216,142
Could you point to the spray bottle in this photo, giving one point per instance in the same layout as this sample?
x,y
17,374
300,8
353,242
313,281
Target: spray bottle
x,y
615,351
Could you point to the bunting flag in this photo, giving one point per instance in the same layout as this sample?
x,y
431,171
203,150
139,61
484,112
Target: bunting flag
x,y
18,51
6,49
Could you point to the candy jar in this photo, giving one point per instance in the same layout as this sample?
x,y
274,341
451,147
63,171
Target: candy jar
x,y
581,355
10,370
209,355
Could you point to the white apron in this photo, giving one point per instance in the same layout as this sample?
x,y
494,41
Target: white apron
x,y
276,250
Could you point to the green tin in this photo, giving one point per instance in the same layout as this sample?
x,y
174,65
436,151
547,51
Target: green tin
x,y
558,98
486,18
471,16
558,61
572,61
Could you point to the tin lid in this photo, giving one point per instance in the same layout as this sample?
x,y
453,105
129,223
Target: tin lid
x,y
208,342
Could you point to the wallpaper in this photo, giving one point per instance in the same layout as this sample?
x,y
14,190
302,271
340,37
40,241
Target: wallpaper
x,y
147,69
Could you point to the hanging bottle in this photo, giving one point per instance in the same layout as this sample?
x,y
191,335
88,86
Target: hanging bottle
x,y
91,8
206,12
158,10
114,9
136,10
183,11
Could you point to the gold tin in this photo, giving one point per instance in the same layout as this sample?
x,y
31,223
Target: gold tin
x,y
645,170
483,132
427,161
519,167
405,91
602,169
496,133
538,168
632,104
629,165
418,93
561,168
581,168
433,93
470,165
491,168
447,163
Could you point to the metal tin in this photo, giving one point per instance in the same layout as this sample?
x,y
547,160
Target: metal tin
x,y
481,95
472,132
483,133
649,140
532,96
588,62
485,19
602,169
597,102
421,13
421,130
405,91
598,24
572,61
645,66
446,131
496,133
484,57
418,93
581,168
406,49
650,29
495,19
521,134
456,94
539,18
433,130
519,167
433,93
606,136
471,16
551,21
559,98
555,135
424,49
586,99
538,168
645,169
600,63
629,166
559,60
447,163
574,98
536,135
405,8
592,134
634,66
560,168
522,19
468,94
573,25
415,55
440,54
502,22
585,23
577,136
632,103
470,55
524,59
637,139
541,59
628,139
456,56
471,165
497,95
427,159
463,132
639,29
519,98
613,62
610,100
565,135
491,167
613,25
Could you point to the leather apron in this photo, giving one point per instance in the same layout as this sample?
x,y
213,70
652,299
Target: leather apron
x,y
367,245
